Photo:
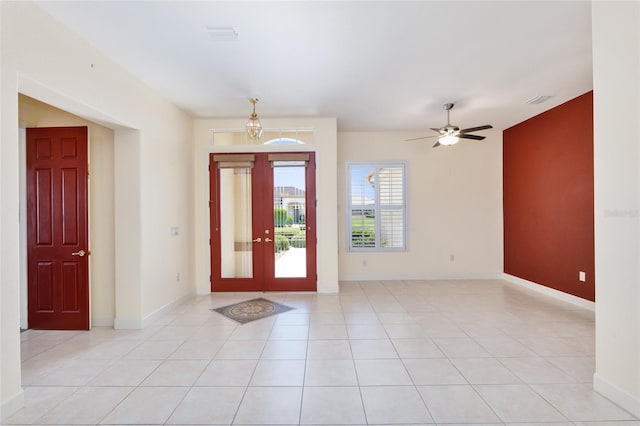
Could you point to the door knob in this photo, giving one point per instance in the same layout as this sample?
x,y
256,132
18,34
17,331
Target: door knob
x,y
267,240
257,240
80,253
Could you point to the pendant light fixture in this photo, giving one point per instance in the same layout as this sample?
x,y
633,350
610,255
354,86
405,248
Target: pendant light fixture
x,y
254,128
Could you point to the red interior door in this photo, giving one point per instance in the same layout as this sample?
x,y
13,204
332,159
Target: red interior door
x,y
248,252
57,228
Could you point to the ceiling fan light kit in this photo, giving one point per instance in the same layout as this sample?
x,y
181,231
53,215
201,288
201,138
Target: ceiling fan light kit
x,y
448,140
450,134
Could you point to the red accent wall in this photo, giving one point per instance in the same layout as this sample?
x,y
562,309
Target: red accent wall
x,y
548,198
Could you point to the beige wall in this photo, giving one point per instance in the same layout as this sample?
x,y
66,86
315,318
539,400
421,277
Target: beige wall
x,y
152,154
33,113
454,207
616,108
324,144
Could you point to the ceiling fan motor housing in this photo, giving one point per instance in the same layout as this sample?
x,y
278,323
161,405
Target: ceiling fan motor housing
x,y
448,129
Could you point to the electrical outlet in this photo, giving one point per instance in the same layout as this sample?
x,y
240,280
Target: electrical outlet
x,y
582,276
452,257
364,263
177,277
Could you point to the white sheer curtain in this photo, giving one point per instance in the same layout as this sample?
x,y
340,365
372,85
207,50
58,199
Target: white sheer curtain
x,y
236,221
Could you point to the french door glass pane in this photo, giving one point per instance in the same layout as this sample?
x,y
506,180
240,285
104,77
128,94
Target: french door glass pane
x,y
289,213
236,223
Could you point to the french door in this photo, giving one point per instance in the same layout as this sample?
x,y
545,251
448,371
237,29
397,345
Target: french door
x,y
263,222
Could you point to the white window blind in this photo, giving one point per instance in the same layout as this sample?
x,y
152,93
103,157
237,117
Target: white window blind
x,y
376,214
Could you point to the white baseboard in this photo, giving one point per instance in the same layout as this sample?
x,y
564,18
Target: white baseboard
x,y
127,323
11,405
414,277
152,317
322,289
617,395
329,289
102,322
559,295
137,323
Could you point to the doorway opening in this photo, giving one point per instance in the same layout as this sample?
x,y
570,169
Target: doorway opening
x,y
34,113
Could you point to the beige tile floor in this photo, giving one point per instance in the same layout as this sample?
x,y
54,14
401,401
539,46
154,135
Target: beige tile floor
x,y
387,352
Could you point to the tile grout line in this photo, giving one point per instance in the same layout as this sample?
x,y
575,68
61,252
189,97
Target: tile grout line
x,y
353,360
529,309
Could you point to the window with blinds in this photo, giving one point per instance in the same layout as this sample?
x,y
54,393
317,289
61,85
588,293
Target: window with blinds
x,y
376,199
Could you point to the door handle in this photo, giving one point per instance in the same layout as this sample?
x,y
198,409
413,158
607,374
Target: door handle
x,y
257,240
80,253
267,240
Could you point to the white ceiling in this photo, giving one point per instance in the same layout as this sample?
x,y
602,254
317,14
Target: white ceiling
x,y
377,66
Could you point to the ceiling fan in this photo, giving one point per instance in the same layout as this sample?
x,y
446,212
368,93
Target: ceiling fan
x,y
450,134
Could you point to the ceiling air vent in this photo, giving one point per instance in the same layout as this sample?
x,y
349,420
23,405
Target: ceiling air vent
x,y
538,100
222,33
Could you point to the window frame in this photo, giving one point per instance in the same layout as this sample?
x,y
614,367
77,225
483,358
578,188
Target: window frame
x,y
377,166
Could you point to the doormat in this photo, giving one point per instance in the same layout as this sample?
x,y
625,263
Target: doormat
x,y
252,310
